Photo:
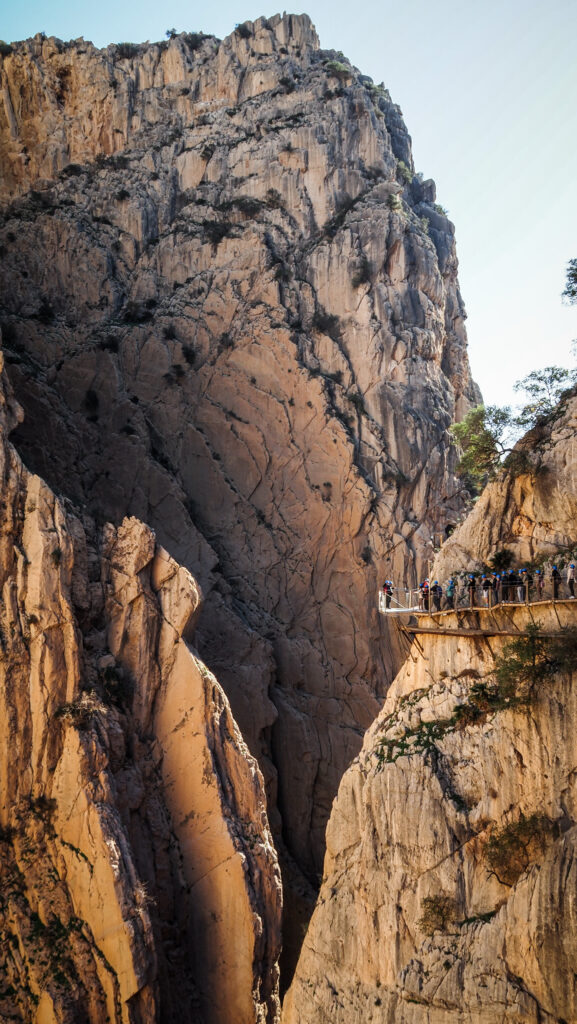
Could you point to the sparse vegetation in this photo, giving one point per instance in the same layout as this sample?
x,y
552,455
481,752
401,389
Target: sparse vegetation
x,y
511,850
126,51
326,323
569,293
363,273
82,710
404,173
437,913
358,401
243,31
502,559
216,230
338,69
194,40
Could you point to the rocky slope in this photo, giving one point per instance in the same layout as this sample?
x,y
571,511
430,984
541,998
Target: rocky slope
x,y
133,829
448,893
231,309
533,512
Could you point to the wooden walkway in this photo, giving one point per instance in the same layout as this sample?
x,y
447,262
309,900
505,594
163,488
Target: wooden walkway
x,y
413,630
499,611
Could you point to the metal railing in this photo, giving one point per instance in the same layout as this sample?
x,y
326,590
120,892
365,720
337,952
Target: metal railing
x,y
468,595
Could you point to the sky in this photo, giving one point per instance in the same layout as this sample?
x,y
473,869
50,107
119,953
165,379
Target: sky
x,y
489,95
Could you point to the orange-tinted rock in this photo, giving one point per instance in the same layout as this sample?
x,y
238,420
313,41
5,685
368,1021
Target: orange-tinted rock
x,y
132,817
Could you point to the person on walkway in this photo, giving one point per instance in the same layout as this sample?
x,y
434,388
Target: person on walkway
x,y
437,593
426,596
513,583
486,588
496,588
471,588
528,585
450,594
571,580
388,589
539,583
521,586
556,577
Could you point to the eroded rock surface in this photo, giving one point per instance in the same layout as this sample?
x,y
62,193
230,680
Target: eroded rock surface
x,y
414,922
133,828
232,310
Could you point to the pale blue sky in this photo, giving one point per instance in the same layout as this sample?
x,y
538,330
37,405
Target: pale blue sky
x,y
489,95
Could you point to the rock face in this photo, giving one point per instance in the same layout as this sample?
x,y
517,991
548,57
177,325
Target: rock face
x,y
231,309
530,513
133,827
451,860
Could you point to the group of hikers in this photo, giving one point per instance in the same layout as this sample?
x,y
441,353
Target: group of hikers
x,y
509,587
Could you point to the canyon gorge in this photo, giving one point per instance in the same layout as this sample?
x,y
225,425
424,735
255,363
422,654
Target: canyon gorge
x,y
233,345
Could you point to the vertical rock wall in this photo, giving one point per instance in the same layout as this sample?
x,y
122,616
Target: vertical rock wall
x,y
231,309
132,818
415,922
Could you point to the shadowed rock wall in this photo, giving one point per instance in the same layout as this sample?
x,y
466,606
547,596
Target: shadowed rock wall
x,y
133,831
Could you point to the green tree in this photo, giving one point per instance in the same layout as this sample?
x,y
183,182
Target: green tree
x,y
544,389
570,291
482,437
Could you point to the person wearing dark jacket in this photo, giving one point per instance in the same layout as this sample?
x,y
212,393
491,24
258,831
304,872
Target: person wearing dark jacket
x,y
556,577
437,593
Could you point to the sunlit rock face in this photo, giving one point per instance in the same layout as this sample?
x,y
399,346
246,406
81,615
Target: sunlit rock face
x,y
448,888
231,309
133,829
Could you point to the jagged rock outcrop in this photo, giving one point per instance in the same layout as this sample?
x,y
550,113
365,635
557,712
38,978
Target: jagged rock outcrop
x,y
231,309
133,831
530,511
448,892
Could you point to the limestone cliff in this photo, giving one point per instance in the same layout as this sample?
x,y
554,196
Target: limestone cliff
x,y
231,309
448,893
531,511
133,830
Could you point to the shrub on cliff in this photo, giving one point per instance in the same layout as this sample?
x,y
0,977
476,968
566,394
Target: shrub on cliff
x,y
438,912
511,850
404,173
338,69
532,658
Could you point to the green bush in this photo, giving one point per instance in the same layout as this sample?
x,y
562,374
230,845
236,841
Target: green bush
x,y
338,69
404,173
